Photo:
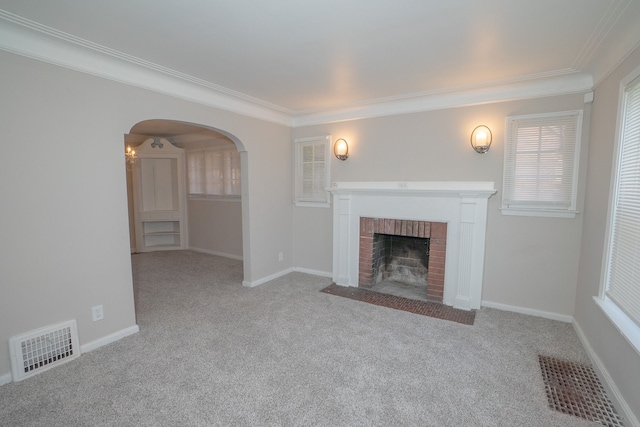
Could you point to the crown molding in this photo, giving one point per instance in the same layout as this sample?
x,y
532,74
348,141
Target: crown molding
x,y
622,37
600,32
36,41
33,40
564,84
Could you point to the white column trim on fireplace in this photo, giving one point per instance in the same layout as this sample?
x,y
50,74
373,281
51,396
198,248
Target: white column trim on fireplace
x,y
462,205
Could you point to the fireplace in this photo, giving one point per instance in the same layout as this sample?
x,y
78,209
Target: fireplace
x,y
410,252
457,211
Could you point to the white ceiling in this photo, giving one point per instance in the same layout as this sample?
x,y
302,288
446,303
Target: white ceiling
x,y
303,57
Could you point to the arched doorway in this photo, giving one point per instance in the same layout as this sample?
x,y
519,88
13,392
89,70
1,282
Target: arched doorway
x,y
218,221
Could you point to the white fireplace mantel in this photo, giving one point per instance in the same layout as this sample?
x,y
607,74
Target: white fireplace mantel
x,y
462,205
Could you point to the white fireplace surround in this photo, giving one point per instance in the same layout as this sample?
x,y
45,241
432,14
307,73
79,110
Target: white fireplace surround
x,y
462,205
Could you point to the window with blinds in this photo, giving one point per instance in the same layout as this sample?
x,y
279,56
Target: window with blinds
x,y
312,162
213,172
541,164
623,264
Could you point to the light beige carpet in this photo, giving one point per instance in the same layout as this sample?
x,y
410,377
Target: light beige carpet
x,y
213,353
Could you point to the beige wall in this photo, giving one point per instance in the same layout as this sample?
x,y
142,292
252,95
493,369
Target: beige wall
x,y
616,355
64,228
530,263
215,226
313,239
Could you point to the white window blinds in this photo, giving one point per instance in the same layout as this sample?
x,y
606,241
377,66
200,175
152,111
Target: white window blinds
x,y
195,171
214,172
623,275
541,161
312,170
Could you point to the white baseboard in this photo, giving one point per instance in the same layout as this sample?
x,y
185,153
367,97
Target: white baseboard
x,y
531,312
108,339
619,402
314,272
222,254
267,278
285,272
5,379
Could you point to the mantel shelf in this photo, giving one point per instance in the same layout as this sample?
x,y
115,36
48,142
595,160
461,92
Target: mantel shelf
x,y
416,188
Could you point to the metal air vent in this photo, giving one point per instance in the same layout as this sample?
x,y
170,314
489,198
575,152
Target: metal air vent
x,y
42,349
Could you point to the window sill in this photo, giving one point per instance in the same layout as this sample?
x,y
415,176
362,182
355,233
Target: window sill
x,y
215,198
547,213
302,204
621,321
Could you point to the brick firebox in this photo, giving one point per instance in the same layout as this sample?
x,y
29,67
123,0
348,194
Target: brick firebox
x,y
436,232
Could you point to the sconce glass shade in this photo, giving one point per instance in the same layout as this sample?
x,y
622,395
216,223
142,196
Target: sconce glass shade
x,y
341,149
481,139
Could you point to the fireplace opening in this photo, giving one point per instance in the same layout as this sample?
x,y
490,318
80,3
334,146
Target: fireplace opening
x,y
400,259
403,257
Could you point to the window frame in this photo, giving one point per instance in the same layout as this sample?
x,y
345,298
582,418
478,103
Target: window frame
x,y
541,208
299,198
629,329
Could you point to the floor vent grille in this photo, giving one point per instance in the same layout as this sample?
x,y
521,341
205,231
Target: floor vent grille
x,y
42,349
574,388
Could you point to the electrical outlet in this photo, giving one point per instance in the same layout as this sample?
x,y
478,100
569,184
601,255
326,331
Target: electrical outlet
x,y
280,256
97,313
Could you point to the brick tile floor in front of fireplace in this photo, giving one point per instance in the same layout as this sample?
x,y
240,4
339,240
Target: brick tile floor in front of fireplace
x,y
424,308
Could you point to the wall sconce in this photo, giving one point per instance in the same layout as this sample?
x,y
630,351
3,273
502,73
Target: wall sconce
x,y
130,157
481,139
341,149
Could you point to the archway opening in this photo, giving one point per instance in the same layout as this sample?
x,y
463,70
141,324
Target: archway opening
x,y
215,185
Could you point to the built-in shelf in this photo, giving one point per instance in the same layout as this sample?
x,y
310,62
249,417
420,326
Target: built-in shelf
x,y
159,196
160,227
161,234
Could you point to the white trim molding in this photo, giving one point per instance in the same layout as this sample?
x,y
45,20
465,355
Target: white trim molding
x,y
621,320
216,253
282,273
33,40
462,205
5,379
623,323
598,57
535,87
613,392
267,278
544,213
111,338
528,311
24,37
314,272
